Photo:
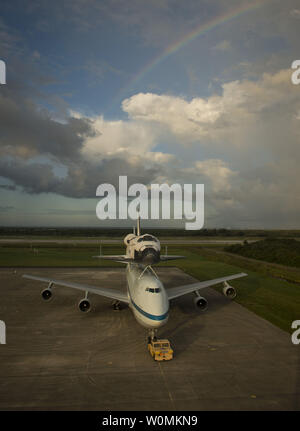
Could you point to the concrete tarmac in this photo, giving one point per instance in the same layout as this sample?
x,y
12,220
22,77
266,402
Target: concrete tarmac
x,y
57,358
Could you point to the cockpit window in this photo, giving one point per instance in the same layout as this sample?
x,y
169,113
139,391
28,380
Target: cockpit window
x,y
147,238
153,290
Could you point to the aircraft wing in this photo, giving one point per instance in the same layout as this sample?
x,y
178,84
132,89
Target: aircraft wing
x,y
108,293
164,258
175,292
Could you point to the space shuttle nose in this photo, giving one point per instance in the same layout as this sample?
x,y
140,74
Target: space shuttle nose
x,y
150,256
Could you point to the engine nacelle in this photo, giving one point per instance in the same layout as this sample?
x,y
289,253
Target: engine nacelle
x,y
46,294
200,303
229,291
84,305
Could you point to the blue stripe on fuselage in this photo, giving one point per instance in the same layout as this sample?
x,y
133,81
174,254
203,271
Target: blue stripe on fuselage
x,y
150,316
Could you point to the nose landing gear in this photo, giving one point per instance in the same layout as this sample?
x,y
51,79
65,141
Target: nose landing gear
x,y
116,305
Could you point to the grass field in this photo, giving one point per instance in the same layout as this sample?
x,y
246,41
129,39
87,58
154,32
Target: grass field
x,y
284,251
271,298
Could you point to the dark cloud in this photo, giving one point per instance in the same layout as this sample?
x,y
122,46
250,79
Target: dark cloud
x,y
5,209
77,212
29,130
7,187
33,178
26,130
82,179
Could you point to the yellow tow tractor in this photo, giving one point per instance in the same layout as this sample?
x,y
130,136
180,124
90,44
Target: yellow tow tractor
x,y
160,350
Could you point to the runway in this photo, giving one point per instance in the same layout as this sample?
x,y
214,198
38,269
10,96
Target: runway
x,y
57,358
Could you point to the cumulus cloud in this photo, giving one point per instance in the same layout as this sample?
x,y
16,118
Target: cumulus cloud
x,y
251,131
252,118
26,130
217,172
241,104
188,121
242,142
117,139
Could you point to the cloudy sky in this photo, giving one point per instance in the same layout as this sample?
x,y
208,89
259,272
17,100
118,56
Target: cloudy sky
x,y
195,91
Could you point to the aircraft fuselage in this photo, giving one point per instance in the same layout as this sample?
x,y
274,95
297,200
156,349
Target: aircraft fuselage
x,y
148,298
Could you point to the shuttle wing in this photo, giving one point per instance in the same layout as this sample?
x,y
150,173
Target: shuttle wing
x,y
125,259
108,293
176,292
164,258
116,258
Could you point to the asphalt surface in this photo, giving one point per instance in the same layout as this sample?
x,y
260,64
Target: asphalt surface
x,y
57,358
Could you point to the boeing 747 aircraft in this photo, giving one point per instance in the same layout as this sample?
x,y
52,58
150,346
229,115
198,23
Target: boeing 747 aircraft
x,y
146,295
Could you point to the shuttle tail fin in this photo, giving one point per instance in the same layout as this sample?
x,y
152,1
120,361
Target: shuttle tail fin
x,y
138,226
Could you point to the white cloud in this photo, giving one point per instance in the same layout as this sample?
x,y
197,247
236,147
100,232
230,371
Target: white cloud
x,y
254,124
230,118
217,172
188,121
118,138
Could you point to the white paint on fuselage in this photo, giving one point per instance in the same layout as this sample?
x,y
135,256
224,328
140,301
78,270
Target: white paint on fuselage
x,y
148,298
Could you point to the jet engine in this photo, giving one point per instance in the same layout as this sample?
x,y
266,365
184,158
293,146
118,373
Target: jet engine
x,y
84,305
200,303
229,291
46,294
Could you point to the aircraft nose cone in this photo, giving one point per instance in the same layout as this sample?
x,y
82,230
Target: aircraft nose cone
x,y
150,256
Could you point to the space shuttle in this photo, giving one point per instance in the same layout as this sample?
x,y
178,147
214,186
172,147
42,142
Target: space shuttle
x,y
142,249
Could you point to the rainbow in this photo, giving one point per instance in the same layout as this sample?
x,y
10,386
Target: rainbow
x,y
194,34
